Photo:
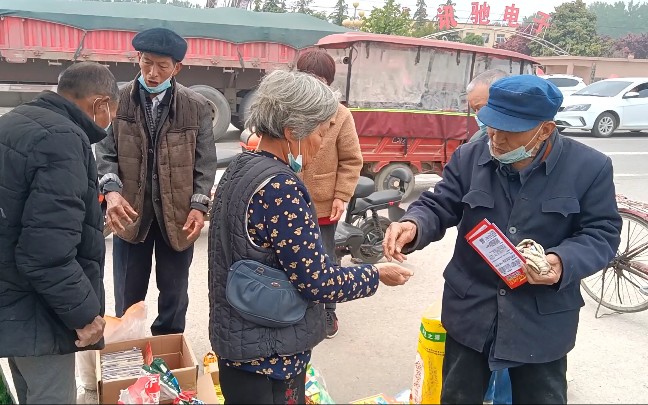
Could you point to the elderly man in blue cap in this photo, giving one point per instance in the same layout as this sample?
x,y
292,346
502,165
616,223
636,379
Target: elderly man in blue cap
x,y
157,167
533,184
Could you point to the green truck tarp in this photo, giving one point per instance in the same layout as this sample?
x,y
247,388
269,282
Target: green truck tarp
x,y
225,23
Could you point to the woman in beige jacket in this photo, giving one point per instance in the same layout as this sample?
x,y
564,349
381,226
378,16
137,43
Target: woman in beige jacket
x,y
332,175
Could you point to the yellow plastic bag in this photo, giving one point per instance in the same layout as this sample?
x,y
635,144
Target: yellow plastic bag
x,y
426,387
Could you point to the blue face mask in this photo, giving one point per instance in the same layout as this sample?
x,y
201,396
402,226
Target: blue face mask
x,y
157,89
295,163
516,155
481,125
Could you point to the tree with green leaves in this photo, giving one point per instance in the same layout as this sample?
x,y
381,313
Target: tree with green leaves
x,y
340,13
573,28
319,14
274,6
303,7
389,19
473,39
621,18
430,27
257,5
420,15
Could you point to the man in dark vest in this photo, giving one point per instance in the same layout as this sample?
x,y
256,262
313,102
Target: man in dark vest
x,y
157,168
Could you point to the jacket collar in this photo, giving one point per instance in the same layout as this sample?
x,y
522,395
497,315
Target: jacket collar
x,y
554,151
135,93
60,105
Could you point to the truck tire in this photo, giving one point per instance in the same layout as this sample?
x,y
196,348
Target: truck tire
x,y
382,178
244,109
220,107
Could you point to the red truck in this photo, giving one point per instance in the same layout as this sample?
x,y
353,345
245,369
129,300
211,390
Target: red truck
x,y
229,49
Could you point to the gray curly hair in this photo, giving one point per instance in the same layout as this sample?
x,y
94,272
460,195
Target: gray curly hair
x,y
291,100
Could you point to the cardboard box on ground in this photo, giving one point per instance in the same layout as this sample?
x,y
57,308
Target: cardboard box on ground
x,y
175,350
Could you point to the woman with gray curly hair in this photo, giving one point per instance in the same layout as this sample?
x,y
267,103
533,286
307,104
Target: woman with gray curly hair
x,y
262,212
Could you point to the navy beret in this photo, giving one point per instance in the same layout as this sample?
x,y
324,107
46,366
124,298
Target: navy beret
x,y
161,41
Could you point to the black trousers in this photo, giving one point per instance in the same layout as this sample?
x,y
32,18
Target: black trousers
x,y
244,387
131,272
466,376
327,232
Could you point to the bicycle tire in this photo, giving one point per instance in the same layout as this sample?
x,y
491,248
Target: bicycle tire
x,y
627,310
596,296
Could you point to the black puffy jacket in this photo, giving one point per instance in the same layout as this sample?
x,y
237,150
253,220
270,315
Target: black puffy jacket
x,y
51,244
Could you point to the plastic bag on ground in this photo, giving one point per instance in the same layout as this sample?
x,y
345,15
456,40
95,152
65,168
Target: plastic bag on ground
x,y
129,327
146,390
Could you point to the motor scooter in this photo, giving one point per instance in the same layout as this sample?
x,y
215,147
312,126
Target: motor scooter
x,y
363,230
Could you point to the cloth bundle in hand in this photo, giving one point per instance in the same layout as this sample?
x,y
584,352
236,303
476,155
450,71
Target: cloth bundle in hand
x,y
535,257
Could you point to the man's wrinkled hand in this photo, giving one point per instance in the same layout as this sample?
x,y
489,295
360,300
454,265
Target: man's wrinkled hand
x,y
337,209
392,274
91,333
551,278
119,213
397,236
195,223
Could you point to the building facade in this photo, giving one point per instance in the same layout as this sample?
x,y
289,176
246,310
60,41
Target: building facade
x,y
594,69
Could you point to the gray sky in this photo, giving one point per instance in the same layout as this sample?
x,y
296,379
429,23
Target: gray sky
x,y
462,8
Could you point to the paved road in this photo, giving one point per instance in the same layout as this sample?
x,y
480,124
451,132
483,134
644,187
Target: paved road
x,y
629,154
374,351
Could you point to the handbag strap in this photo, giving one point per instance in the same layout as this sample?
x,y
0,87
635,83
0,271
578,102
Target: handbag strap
x,y
256,165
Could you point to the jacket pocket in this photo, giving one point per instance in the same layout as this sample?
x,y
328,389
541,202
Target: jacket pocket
x,y
564,206
550,301
458,282
478,198
16,305
323,187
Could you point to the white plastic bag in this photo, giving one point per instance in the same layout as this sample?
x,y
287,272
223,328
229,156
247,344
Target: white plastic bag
x,y
129,327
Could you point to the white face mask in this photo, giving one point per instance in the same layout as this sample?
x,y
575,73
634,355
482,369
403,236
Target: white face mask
x,y
517,154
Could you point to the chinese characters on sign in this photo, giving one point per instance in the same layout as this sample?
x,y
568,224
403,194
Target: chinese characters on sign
x,y
511,15
541,22
480,15
445,14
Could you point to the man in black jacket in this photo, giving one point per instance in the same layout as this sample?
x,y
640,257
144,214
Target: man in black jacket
x,y
51,243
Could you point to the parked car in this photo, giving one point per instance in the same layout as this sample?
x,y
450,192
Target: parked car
x,y
568,84
607,105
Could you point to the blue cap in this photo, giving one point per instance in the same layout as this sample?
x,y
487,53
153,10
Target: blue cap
x,y
520,103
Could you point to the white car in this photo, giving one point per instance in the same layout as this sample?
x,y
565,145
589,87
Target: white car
x,y
568,84
607,105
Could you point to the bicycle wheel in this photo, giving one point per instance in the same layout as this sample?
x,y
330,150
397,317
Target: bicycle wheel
x,y
623,285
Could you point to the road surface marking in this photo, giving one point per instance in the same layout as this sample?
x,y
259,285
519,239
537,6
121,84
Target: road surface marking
x,y
626,153
631,175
